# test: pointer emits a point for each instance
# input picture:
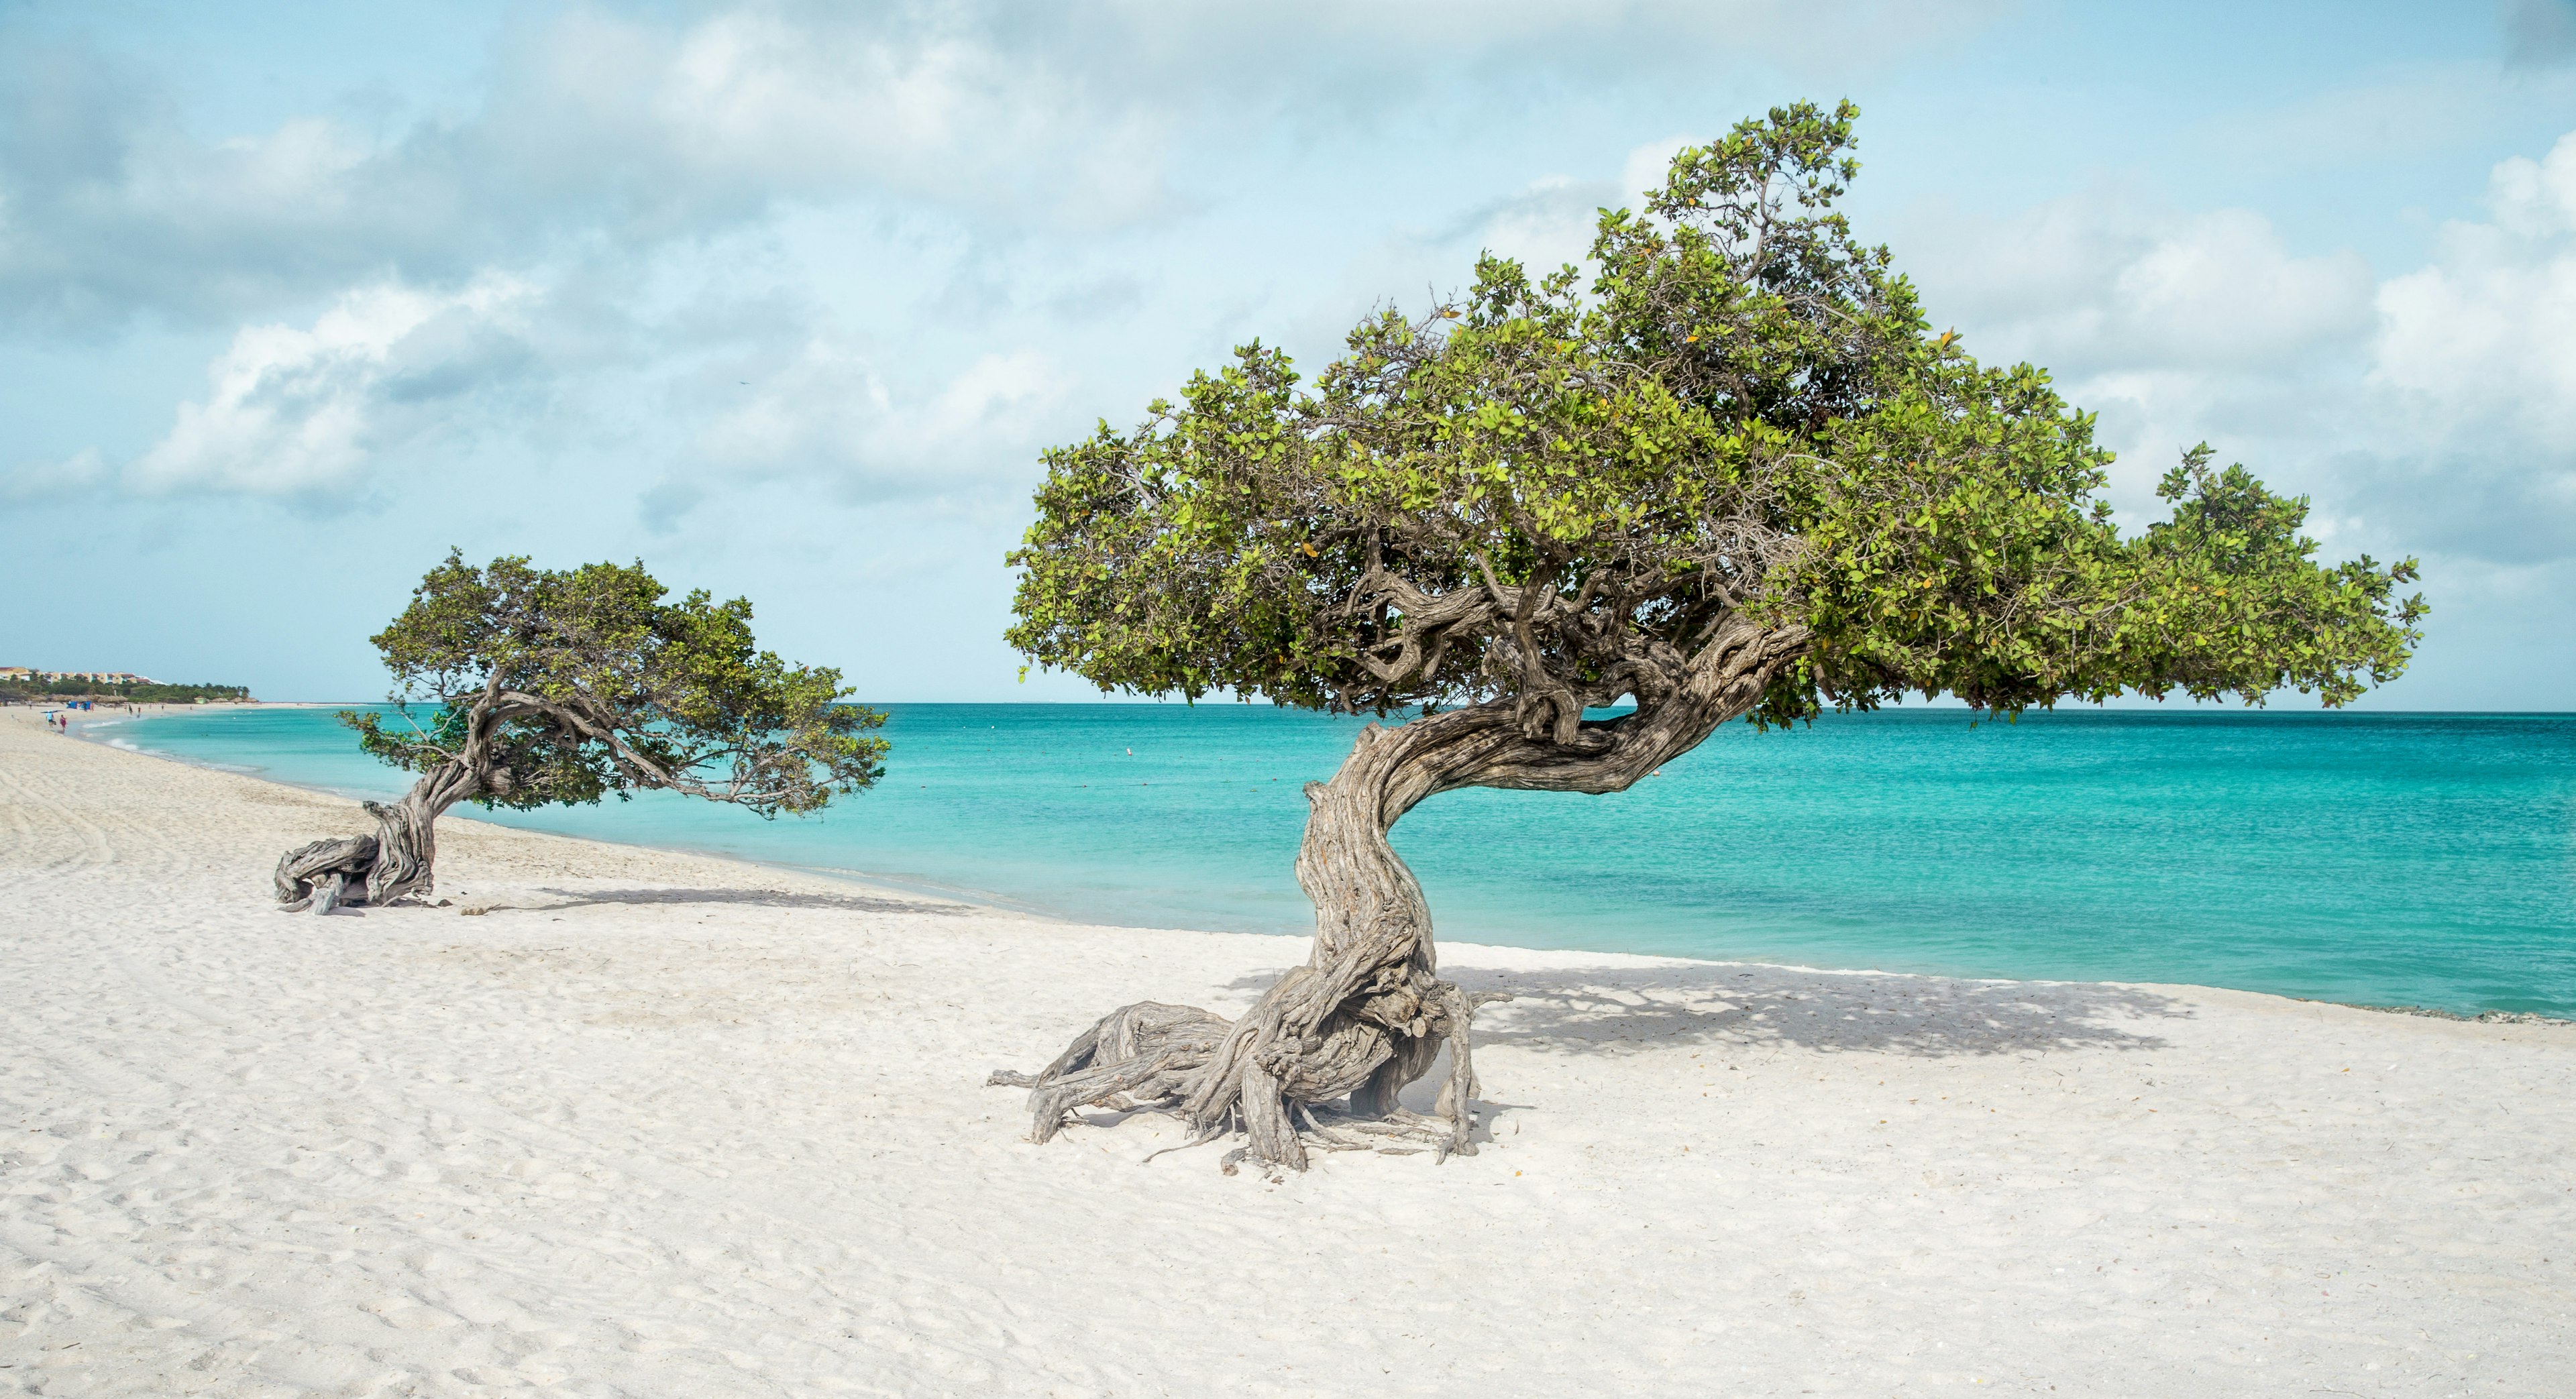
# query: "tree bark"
(397, 861)
(1368, 1014)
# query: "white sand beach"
(665, 1125)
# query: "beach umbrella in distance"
(526, 687)
(1729, 473)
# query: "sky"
(787, 300)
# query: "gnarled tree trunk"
(378, 869)
(1368, 1013)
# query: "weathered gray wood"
(398, 861)
(305, 870)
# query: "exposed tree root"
(1221, 1076)
(396, 862)
(316, 876)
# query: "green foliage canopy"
(563, 686)
(1556, 491)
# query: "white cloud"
(669, 127)
(714, 371)
(2486, 335)
(642, 127)
(2430, 412)
(74, 474)
(2094, 283)
(999, 394)
(2223, 291)
(1647, 166)
(2475, 371)
(831, 415)
(2537, 198)
(1543, 228)
(603, 130)
(2173, 326)
(299, 410)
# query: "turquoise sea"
(2418, 859)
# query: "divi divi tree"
(1729, 473)
(526, 687)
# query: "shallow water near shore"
(2417, 859)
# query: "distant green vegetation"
(23, 691)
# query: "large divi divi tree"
(1729, 474)
(526, 687)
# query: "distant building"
(102, 677)
(16, 672)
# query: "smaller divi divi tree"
(1733, 476)
(526, 687)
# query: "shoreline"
(662, 1124)
(998, 903)
(979, 898)
(2484, 1017)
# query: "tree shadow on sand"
(753, 898)
(1752, 1008)
(1614, 1010)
